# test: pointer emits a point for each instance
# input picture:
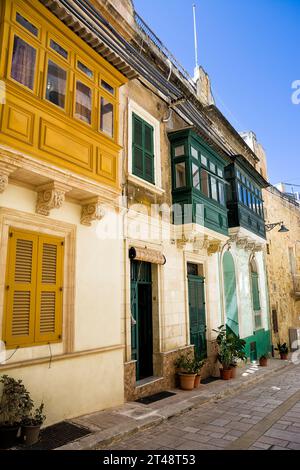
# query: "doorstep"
(113, 424)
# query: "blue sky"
(251, 51)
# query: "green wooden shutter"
(197, 315)
(142, 149)
(255, 292)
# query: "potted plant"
(186, 367)
(238, 351)
(197, 367)
(15, 403)
(225, 356)
(263, 360)
(31, 426)
(283, 350)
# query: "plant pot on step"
(283, 356)
(233, 372)
(187, 381)
(225, 374)
(8, 436)
(197, 381)
(263, 361)
(30, 434)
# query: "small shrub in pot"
(15, 403)
(31, 426)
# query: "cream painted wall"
(73, 387)
(89, 379)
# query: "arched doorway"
(232, 319)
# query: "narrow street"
(266, 416)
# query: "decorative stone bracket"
(50, 196)
(200, 242)
(5, 170)
(246, 243)
(92, 209)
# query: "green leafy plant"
(197, 365)
(35, 418)
(189, 364)
(282, 348)
(224, 342)
(15, 401)
(231, 348)
(265, 356)
(237, 348)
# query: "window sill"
(139, 182)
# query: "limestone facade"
(283, 264)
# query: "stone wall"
(281, 246)
(167, 379)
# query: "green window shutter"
(142, 149)
(255, 292)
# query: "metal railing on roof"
(163, 49)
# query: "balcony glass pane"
(214, 190)
(56, 84)
(83, 105)
(196, 176)
(180, 176)
(107, 117)
(23, 63)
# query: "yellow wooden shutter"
(48, 324)
(20, 288)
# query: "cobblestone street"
(266, 416)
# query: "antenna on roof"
(195, 36)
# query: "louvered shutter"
(148, 153)
(255, 292)
(137, 146)
(49, 290)
(20, 288)
(142, 149)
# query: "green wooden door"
(232, 318)
(197, 315)
(141, 318)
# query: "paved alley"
(265, 416)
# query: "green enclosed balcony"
(198, 184)
(244, 196)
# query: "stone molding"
(92, 210)
(246, 243)
(5, 170)
(200, 242)
(50, 196)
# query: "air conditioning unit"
(294, 334)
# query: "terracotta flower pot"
(263, 362)
(197, 381)
(283, 356)
(233, 372)
(225, 374)
(8, 436)
(30, 434)
(187, 381)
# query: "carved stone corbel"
(242, 242)
(258, 247)
(250, 246)
(50, 196)
(5, 170)
(92, 209)
(214, 247)
(201, 242)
